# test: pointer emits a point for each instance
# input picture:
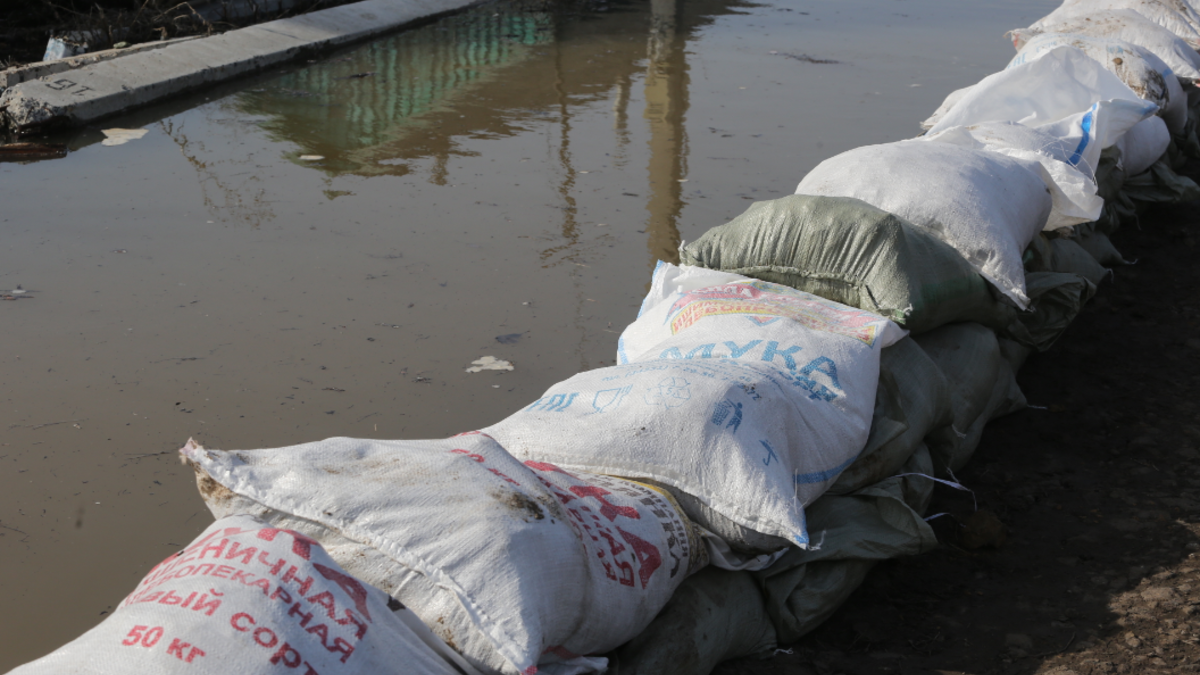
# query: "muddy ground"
(1099, 492)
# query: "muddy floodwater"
(323, 250)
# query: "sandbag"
(1160, 184)
(982, 384)
(714, 616)
(247, 598)
(986, 205)
(519, 567)
(1099, 246)
(1142, 146)
(751, 396)
(1177, 17)
(912, 401)
(1121, 24)
(1073, 192)
(1139, 68)
(876, 523)
(1058, 297)
(1068, 256)
(1064, 93)
(850, 252)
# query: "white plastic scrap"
(121, 136)
(489, 363)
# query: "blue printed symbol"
(770, 453)
(555, 403)
(671, 392)
(610, 398)
(721, 412)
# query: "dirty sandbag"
(1063, 84)
(987, 206)
(1177, 17)
(748, 395)
(1099, 246)
(1110, 173)
(1139, 68)
(1161, 185)
(1069, 257)
(1057, 297)
(982, 383)
(1142, 146)
(1126, 25)
(912, 401)
(1072, 188)
(240, 579)
(850, 252)
(714, 616)
(517, 576)
(877, 523)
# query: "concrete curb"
(107, 88)
(14, 76)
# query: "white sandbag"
(1140, 69)
(520, 567)
(986, 205)
(1176, 16)
(750, 396)
(1064, 88)
(1073, 193)
(247, 598)
(1121, 24)
(1143, 145)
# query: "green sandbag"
(983, 386)
(850, 252)
(913, 400)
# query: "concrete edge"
(102, 89)
(31, 71)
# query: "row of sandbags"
(900, 228)
(769, 432)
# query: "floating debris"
(121, 136)
(25, 152)
(489, 363)
(312, 158)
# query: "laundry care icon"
(671, 392)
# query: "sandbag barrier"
(769, 433)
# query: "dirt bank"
(1100, 494)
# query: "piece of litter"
(495, 386)
(312, 158)
(681, 180)
(489, 363)
(121, 136)
(509, 339)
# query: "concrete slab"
(16, 75)
(103, 89)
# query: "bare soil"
(1098, 491)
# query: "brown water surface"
(515, 170)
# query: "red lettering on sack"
(169, 598)
(246, 619)
(263, 630)
(282, 594)
(607, 509)
(264, 585)
(217, 549)
(340, 645)
(290, 575)
(324, 599)
(275, 568)
(649, 558)
(211, 606)
(287, 655)
(360, 628)
(321, 631)
(223, 572)
(242, 576)
(304, 617)
(301, 545)
(178, 647)
(246, 553)
(352, 587)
